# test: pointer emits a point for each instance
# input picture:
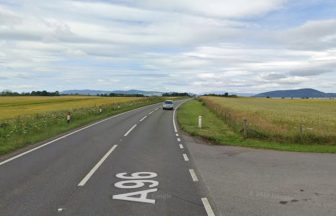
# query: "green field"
(27, 120)
(220, 131)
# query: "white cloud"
(175, 45)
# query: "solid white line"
(143, 118)
(185, 157)
(130, 130)
(69, 134)
(178, 139)
(207, 207)
(94, 169)
(193, 175)
(181, 146)
(174, 123)
(174, 114)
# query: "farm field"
(216, 130)
(22, 105)
(310, 121)
(27, 120)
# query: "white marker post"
(199, 121)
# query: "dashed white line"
(177, 134)
(130, 130)
(207, 207)
(185, 157)
(150, 112)
(94, 169)
(181, 146)
(193, 175)
(143, 118)
(178, 139)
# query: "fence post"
(245, 128)
(199, 121)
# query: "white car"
(168, 105)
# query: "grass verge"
(217, 131)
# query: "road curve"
(131, 164)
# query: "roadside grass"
(24, 130)
(218, 132)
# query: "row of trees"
(33, 93)
(176, 94)
(120, 95)
(221, 95)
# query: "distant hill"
(298, 93)
(126, 92)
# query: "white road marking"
(185, 157)
(59, 209)
(143, 118)
(193, 175)
(174, 123)
(181, 146)
(178, 139)
(130, 130)
(207, 207)
(177, 134)
(136, 180)
(150, 112)
(69, 134)
(94, 169)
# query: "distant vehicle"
(168, 105)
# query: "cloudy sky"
(181, 45)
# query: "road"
(259, 182)
(131, 164)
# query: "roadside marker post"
(199, 121)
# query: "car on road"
(168, 105)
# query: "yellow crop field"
(11, 107)
(287, 120)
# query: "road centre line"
(150, 112)
(181, 146)
(66, 135)
(130, 130)
(178, 139)
(207, 207)
(94, 169)
(193, 175)
(177, 134)
(143, 118)
(185, 157)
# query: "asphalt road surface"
(131, 164)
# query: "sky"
(168, 45)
